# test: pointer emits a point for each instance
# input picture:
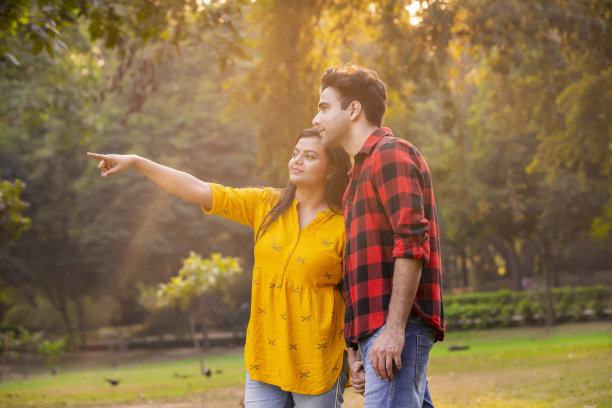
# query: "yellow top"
(295, 334)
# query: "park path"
(226, 398)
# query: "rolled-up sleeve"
(400, 184)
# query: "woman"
(294, 352)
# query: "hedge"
(506, 308)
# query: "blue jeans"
(409, 387)
(258, 394)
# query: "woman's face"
(309, 165)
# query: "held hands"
(357, 372)
(112, 163)
(386, 351)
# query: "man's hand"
(357, 373)
(387, 350)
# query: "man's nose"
(315, 120)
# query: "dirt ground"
(228, 398)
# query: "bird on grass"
(177, 375)
(112, 382)
(458, 347)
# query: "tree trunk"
(549, 272)
(196, 342)
(513, 264)
(60, 304)
(193, 332)
(80, 307)
(464, 270)
(205, 338)
(528, 260)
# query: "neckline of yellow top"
(321, 215)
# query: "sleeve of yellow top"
(236, 204)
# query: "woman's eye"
(310, 156)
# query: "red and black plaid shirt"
(389, 213)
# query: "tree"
(12, 222)
(131, 28)
(191, 289)
(508, 101)
(53, 351)
(53, 107)
(12, 225)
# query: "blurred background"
(509, 101)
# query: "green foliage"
(53, 350)
(197, 278)
(12, 222)
(505, 308)
(42, 22)
(19, 345)
(13, 343)
(508, 101)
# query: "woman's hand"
(113, 163)
(357, 373)
(175, 182)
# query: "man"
(392, 274)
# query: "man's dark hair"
(355, 83)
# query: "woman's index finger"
(96, 156)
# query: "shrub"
(497, 309)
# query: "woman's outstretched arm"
(176, 182)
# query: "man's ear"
(354, 109)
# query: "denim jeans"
(258, 394)
(409, 387)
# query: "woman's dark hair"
(333, 193)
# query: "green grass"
(140, 383)
(571, 366)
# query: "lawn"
(570, 366)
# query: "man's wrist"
(396, 328)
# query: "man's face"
(332, 121)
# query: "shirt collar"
(369, 144)
(371, 141)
